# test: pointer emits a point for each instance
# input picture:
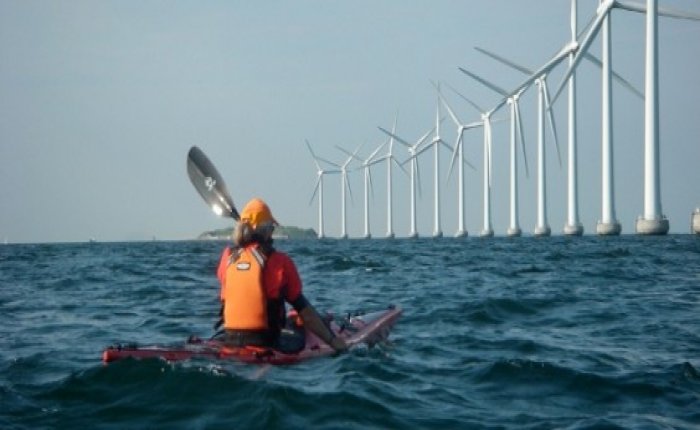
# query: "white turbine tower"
(458, 151)
(366, 165)
(487, 230)
(435, 143)
(343, 184)
(389, 157)
(320, 172)
(516, 130)
(543, 103)
(573, 226)
(653, 221)
(389, 194)
(413, 151)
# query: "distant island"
(281, 232)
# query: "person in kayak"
(256, 281)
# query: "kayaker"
(256, 281)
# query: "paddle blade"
(209, 184)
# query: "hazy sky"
(101, 100)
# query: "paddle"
(209, 184)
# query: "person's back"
(256, 281)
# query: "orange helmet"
(256, 213)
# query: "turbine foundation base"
(542, 231)
(573, 229)
(695, 223)
(487, 232)
(612, 228)
(461, 233)
(514, 232)
(437, 234)
(652, 226)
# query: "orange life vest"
(245, 304)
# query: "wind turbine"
(345, 183)
(366, 164)
(435, 143)
(458, 151)
(389, 157)
(516, 129)
(415, 174)
(653, 221)
(319, 186)
(487, 230)
(573, 226)
(540, 78)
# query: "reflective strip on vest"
(245, 304)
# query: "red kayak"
(368, 328)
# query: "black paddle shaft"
(209, 184)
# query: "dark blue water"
(527, 333)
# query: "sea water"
(534, 333)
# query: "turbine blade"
(371, 156)
(550, 114)
(582, 47)
(318, 182)
(343, 150)
(347, 183)
(425, 136)
(393, 136)
(454, 153)
(328, 162)
(662, 10)
(425, 148)
(400, 165)
(505, 61)
(679, 14)
(348, 153)
(484, 82)
(476, 124)
(474, 105)
(369, 179)
(470, 165)
(378, 160)
(445, 144)
(625, 83)
(519, 125)
(308, 145)
(450, 111)
(549, 65)
(354, 155)
(393, 131)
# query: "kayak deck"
(368, 328)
